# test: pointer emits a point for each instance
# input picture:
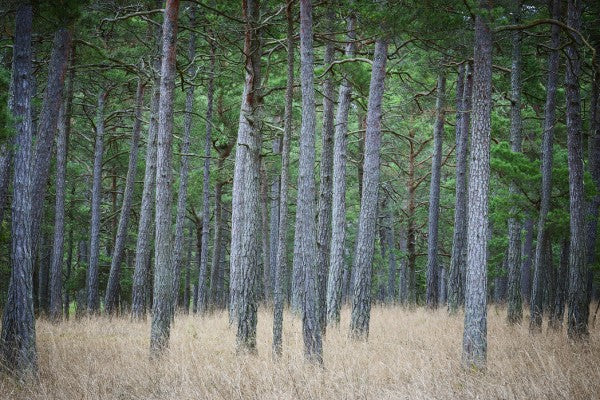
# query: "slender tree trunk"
(338, 212)
(558, 307)
(475, 327)
(183, 171)
(93, 302)
(281, 261)
(112, 286)
(403, 278)
(361, 301)
(43, 275)
(434, 195)
(188, 272)
(274, 219)
(163, 278)
(411, 232)
(392, 266)
(515, 226)
(578, 268)
(17, 341)
(526, 260)
(64, 127)
(464, 86)
(249, 137)
(264, 228)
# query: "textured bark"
(305, 239)
(274, 219)
(188, 273)
(17, 341)
(112, 287)
(361, 301)
(281, 260)
(403, 278)
(526, 260)
(183, 170)
(392, 266)
(456, 294)
(515, 226)
(578, 268)
(338, 212)
(48, 119)
(250, 138)
(326, 171)
(64, 127)
(163, 273)
(442, 286)
(475, 327)
(434, 196)
(411, 234)
(558, 307)
(264, 229)
(93, 302)
(6, 167)
(203, 294)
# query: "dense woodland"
(158, 160)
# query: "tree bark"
(163, 278)
(361, 301)
(264, 229)
(434, 196)
(558, 307)
(274, 219)
(475, 326)
(526, 260)
(281, 260)
(112, 287)
(578, 268)
(17, 341)
(338, 212)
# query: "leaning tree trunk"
(475, 327)
(434, 196)
(183, 171)
(44, 143)
(578, 268)
(249, 137)
(515, 226)
(338, 212)
(112, 287)
(361, 301)
(163, 274)
(17, 341)
(64, 127)
(305, 239)
(535, 321)
(325, 187)
(281, 259)
(464, 87)
(93, 302)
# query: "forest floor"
(410, 355)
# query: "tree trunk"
(281, 260)
(183, 171)
(515, 226)
(264, 229)
(403, 278)
(64, 127)
(338, 212)
(475, 327)
(578, 268)
(112, 286)
(526, 260)
(274, 219)
(163, 274)
(17, 341)
(391, 245)
(93, 302)
(249, 137)
(558, 308)
(361, 301)
(456, 280)
(434, 196)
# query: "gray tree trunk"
(17, 340)
(391, 245)
(305, 239)
(163, 274)
(183, 171)
(578, 268)
(558, 307)
(361, 301)
(93, 302)
(264, 229)
(403, 278)
(250, 138)
(526, 260)
(434, 195)
(475, 327)
(281, 260)
(515, 226)
(274, 218)
(64, 128)
(338, 212)
(464, 86)
(112, 287)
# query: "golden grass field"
(410, 355)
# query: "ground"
(410, 354)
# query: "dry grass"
(409, 355)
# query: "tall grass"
(409, 355)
